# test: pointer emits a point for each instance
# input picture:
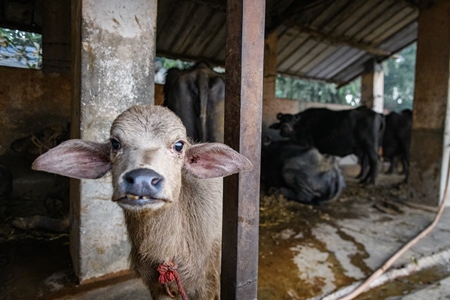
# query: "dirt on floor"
(296, 260)
(30, 257)
(28, 260)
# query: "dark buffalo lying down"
(301, 174)
(197, 96)
(339, 133)
(397, 139)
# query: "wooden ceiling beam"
(294, 9)
(316, 34)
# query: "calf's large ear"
(77, 159)
(209, 160)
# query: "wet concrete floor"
(305, 251)
(309, 251)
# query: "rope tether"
(168, 273)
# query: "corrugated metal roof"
(328, 40)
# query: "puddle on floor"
(405, 285)
(295, 260)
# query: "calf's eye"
(115, 144)
(178, 146)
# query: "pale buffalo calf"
(170, 191)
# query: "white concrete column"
(430, 130)
(372, 86)
(113, 66)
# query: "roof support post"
(270, 107)
(243, 109)
(430, 141)
(372, 86)
(113, 51)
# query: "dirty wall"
(31, 100)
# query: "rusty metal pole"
(243, 111)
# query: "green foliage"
(399, 72)
(25, 47)
(167, 63)
(316, 91)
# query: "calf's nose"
(143, 183)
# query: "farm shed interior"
(334, 41)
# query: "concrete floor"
(306, 252)
(310, 252)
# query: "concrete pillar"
(113, 63)
(430, 130)
(269, 83)
(372, 86)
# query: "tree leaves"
(399, 76)
(317, 91)
(24, 47)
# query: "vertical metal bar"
(243, 110)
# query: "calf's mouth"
(139, 200)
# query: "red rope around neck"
(168, 273)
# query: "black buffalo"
(197, 96)
(339, 133)
(381, 125)
(301, 174)
(397, 139)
